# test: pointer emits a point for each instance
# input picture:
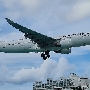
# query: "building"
(74, 82)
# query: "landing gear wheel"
(45, 55)
(42, 55)
(47, 52)
(44, 58)
(48, 56)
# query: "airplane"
(37, 42)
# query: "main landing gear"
(45, 55)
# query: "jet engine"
(64, 51)
(57, 43)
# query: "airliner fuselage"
(26, 45)
(37, 42)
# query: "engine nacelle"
(64, 51)
(57, 43)
(63, 43)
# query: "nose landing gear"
(45, 55)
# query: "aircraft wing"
(42, 40)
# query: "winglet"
(17, 26)
(6, 18)
(9, 21)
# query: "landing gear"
(45, 55)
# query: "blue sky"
(52, 18)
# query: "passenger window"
(8, 44)
(82, 33)
(20, 39)
(74, 34)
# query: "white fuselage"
(26, 45)
(76, 40)
(20, 46)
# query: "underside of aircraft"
(46, 44)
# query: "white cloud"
(12, 14)
(46, 14)
(80, 10)
(37, 9)
(5, 74)
(11, 36)
(49, 68)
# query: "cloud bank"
(49, 68)
(80, 10)
(38, 9)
